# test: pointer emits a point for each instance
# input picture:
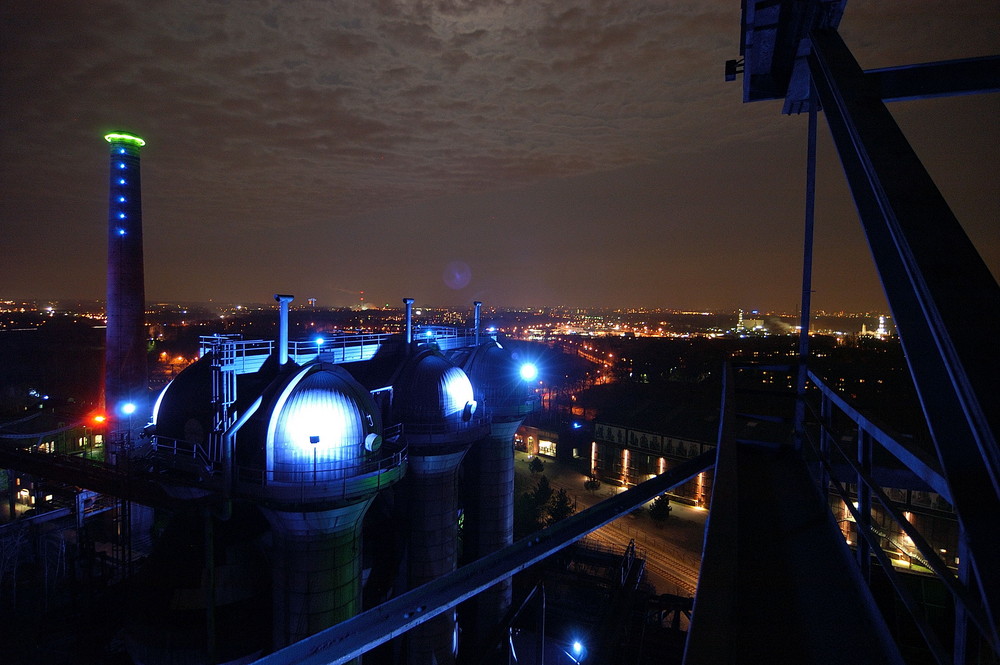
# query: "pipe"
(479, 307)
(283, 301)
(409, 321)
(228, 442)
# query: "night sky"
(519, 152)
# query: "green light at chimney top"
(118, 137)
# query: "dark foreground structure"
(315, 434)
(794, 591)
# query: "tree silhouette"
(542, 492)
(536, 465)
(559, 507)
(660, 510)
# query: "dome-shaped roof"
(430, 389)
(496, 376)
(321, 426)
(183, 410)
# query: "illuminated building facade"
(627, 456)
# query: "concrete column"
(432, 538)
(316, 567)
(489, 523)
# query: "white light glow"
(455, 391)
(317, 430)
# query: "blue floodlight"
(319, 341)
(576, 425)
(128, 408)
(529, 372)
(577, 648)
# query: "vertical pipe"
(409, 321)
(283, 301)
(807, 256)
(479, 307)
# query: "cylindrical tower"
(307, 452)
(433, 401)
(323, 464)
(125, 376)
(500, 380)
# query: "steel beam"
(945, 302)
(807, 262)
(970, 76)
(351, 638)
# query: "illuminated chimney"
(125, 373)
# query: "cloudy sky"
(519, 152)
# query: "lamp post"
(314, 440)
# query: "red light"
(99, 419)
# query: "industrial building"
(274, 451)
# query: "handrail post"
(864, 503)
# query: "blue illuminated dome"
(430, 389)
(320, 426)
(183, 410)
(498, 376)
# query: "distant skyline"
(565, 152)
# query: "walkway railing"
(832, 459)
(245, 356)
(303, 485)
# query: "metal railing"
(179, 448)
(245, 356)
(833, 458)
(342, 482)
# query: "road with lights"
(672, 550)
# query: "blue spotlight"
(128, 408)
(529, 372)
